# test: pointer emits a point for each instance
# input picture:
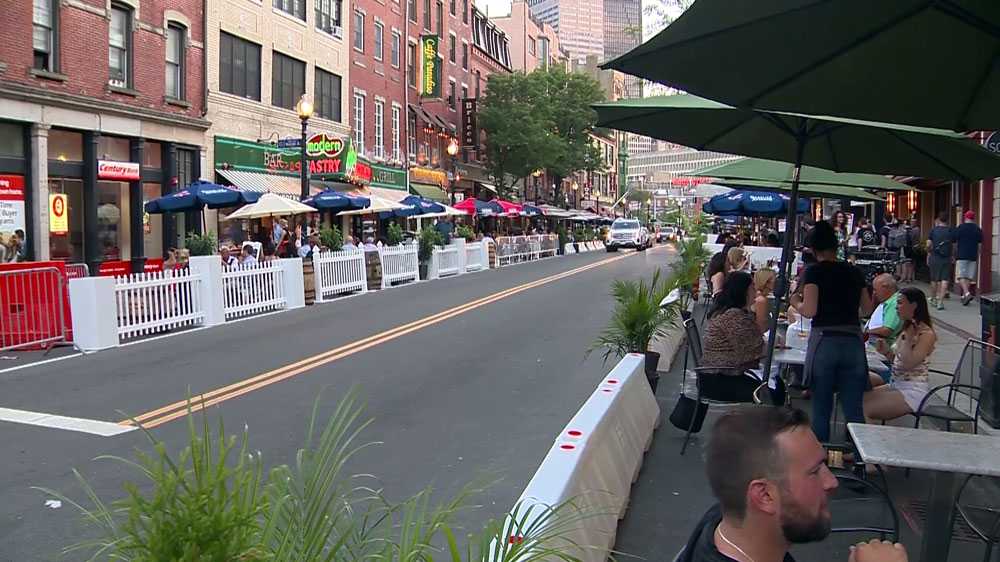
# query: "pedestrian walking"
(968, 236)
(939, 259)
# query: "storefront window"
(65, 146)
(152, 155)
(152, 225)
(113, 148)
(112, 207)
(11, 140)
(68, 246)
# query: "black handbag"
(686, 409)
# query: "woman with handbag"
(832, 293)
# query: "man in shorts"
(968, 236)
(939, 257)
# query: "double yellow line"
(179, 409)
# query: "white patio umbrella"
(378, 205)
(271, 205)
(448, 211)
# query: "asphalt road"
(483, 390)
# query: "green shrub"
(394, 234)
(201, 244)
(465, 231)
(331, 238)
(429, 237)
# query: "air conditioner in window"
(337, 31)
(116, 83)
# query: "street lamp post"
(305, 110)
(452, 150)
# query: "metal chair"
(983, 520)
(855, 491)
(941, 401)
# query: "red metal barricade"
(34, 305)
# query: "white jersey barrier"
(596, 458)
(476, 257)
(339, 273)
(446, 262)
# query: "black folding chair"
(978, 510)
(959, 400)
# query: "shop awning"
(421, 114)
(441, 122)
(289, 186)
(430, 191)
(488, 186)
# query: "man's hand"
(877, 551)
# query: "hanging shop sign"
(428, 175)
(117, 171)
(330, 158)
(470, 131)
(387, 177)
(58, 213)
(430, 85)
(11, 206)
(993, 142)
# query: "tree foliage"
(539, 121)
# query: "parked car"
(627, 233)
(667, 233)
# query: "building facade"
(101, 109)
(533, 43)
(263, 57)
(579, 23)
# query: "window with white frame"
(328, 16)
(452, 48)
(379, 32)
(176, 36)
(359, 31)
(43, 34)
(397, 39)
(120, 45)
(359, 122)
(395, 132)
(295, 8)
(379, 132)
(411, 135)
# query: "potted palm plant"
(638, 317)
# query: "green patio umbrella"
(805, 189)
(774, 171)
(921, 62)
(826, 142)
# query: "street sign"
(289, 143)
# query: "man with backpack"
(939, 242)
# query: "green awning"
(430, 191)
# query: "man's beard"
(798, 527)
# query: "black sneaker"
(966, 299)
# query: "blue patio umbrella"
(494, 207)
(330, 200)
(423, 205)
(752, 204)
(531, 211)
(198, 195)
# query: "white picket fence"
(448, 262)
(149, 303)
(253, 289)
(475, 257)
(516, 249)
(399, 264)
(339, 273)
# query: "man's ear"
(763, 496)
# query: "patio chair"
(874, 511)
(958, 401)
(981, 517)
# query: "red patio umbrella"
(509, 209)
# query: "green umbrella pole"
(784, 275)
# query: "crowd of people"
(756, 454)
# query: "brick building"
(533, 43)
(101, 109)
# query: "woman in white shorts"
(909, 355)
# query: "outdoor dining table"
(945, 454)
(797, 356)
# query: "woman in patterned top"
(734, 343)
(909, 355)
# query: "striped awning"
(288, 186)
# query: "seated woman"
(733, 342)
(717, 268)
(763, 282)
(909, 356)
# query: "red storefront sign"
(117, 268)
(117, 171)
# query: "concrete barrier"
(594, 461)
